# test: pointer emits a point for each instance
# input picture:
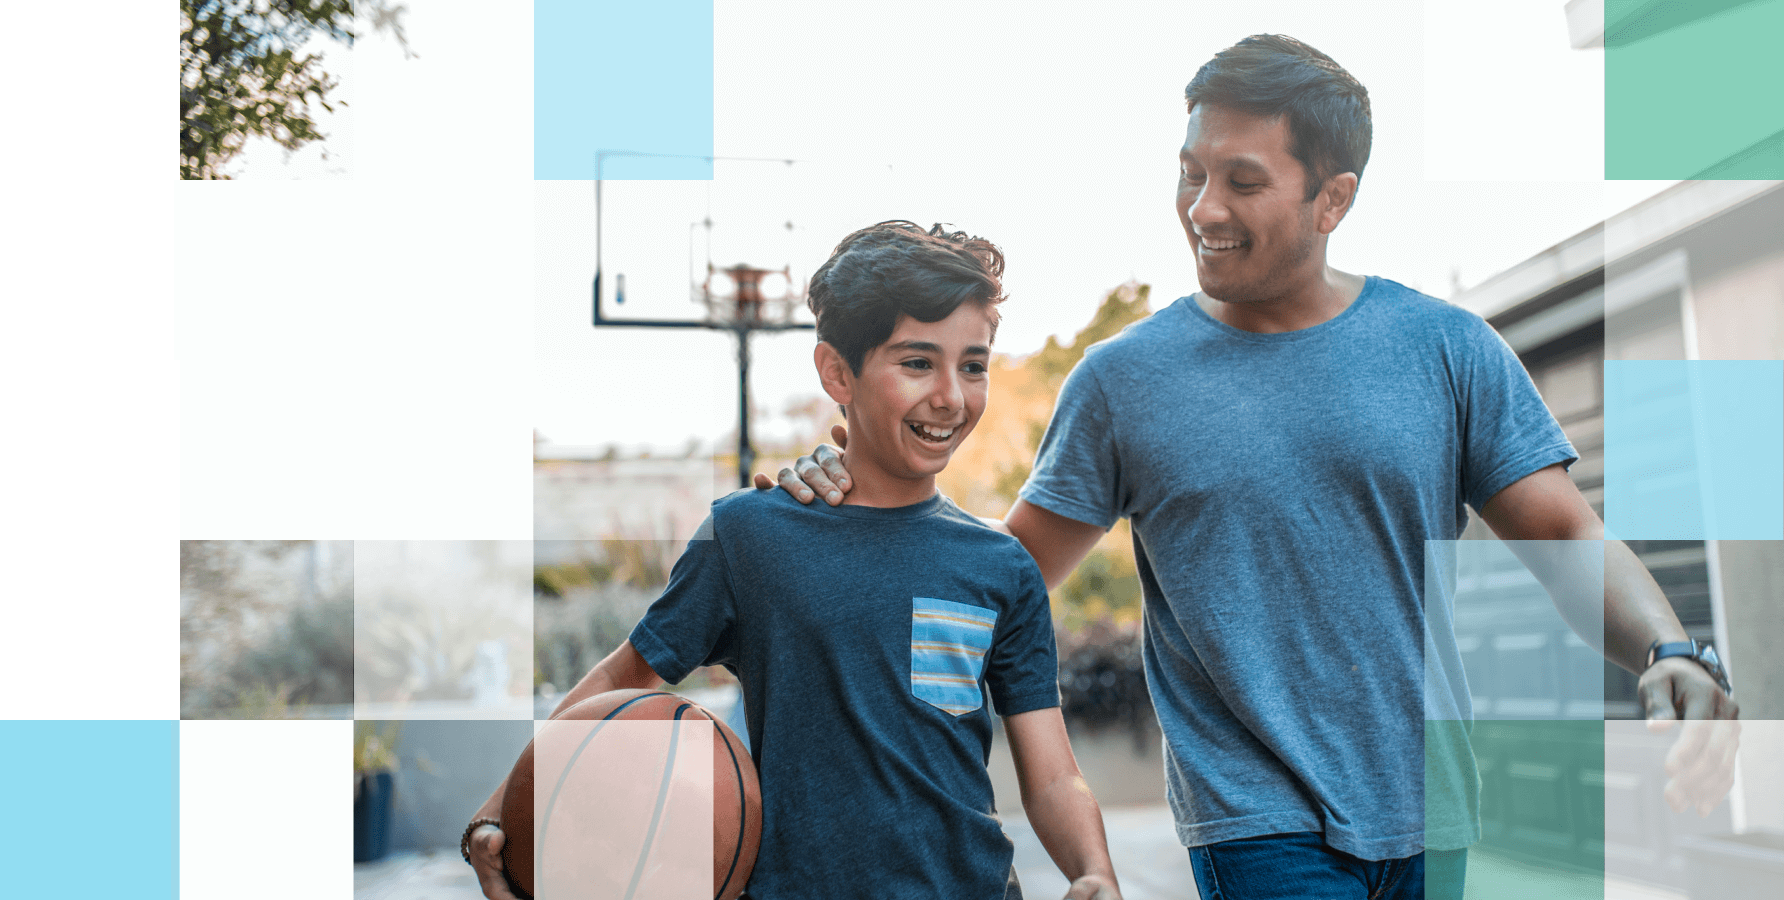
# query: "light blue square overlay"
(613, 75)
(1694, 449)
(96, 808)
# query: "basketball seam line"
(543, 824)
(656, 815)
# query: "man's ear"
(1334, 200)
(834, 372)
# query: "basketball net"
(742, 297)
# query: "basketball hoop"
(745, 297)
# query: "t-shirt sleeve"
(1508, 432)
(693, 623)
(1022, 673)
(1076, 472)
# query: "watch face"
(1710, 658)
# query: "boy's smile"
(918, 396)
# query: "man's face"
(1239, 197)
(920, 393)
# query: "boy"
(865, 681)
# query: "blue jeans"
(1300, 866)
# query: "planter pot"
(371, 816)
(1735, 866)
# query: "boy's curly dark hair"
(896, 268)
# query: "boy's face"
(1240, 199)
(918, 396)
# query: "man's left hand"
(1700, 765)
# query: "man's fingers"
(813, 476)
(840, 434)
(1656, 693)
(763, 482)
(1701, 765)
(790, 482)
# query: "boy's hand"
(1092, 887)
(823, 472)
(486, 860)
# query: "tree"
(241, 75)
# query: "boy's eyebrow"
(927, 347)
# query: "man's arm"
(1554, 532)
(1059, 804)
(1058, 544)
(623, 668)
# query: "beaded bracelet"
(464, 843)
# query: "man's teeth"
(927, 434)
(1212, 244)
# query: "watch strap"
(1701, 653)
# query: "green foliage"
(374, 746)
(1104, 588)
(241, 73)
(307, 660)
(1122, 307)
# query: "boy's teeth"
(931, 435)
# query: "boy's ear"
(834, 372)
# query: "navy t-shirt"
(1282, 490)
(867, 641)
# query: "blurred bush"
(584, 608)
(1102, 682)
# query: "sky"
(1053, 134)
(942, 115)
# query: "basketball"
(633, 792)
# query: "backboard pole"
(742, 327)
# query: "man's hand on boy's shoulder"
(821, 473)
(1092, 887)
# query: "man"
(1285, 442)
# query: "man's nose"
(1208, 208)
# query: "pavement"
(1148, 860)
(1143, 843)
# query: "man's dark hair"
(896, 268)
(1275, 75)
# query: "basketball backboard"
(667, 250)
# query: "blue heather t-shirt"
(1281, 489)
(865, 672)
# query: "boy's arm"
(623, 668)
(1059, 804)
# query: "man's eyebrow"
(1247, 163)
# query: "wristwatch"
(1699, 652)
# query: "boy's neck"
(874, 488)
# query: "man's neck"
(1317, 303)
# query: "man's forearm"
(1636, 611)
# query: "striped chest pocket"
(948, 644)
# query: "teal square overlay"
(1694, 449)
(1691, 89)
(611, 75)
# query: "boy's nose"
(948, 394)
